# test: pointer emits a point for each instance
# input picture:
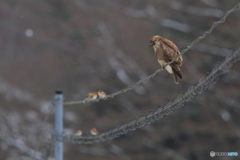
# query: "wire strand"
(170, 107)
(223, 19)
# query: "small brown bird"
(78, 133)
(94, 131)
(165, 51)
(101, 94)
(91, 96)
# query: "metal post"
(58, 149)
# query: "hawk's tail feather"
(177, 71)
(175, 77)
(176, 74)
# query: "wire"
(170, 107)
(223, 19)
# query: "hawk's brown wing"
(170, 44)
(170, 51)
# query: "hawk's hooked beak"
(151, 43)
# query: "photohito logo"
(212, 153)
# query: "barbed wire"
(223, 19)
(170, 107)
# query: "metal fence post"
(58, 148)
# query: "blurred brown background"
(85, 46)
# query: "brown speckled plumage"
(165, 51)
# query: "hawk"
(165, 51)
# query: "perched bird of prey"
(101, 94)
(165, 51)
(78, 133)
(94, 131)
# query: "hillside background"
(85, 46)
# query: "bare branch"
(175, 25)
(22, 148)
(209, 12)
(212, 3)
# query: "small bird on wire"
(91, 96)
(78, 133)
(94, 131)
(165, 51)
(101, 94)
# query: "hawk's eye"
(152, 43)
